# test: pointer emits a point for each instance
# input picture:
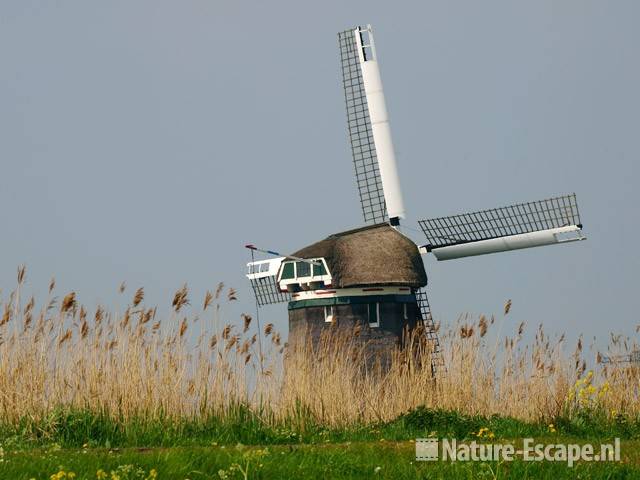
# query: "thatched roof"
(377, 255)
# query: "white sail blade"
(511, 242)
(525, 225)
(380, 122)
(363, 149)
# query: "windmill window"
(373, 313)
(258, 267)
(329, 313)
(319, 270)
(303, 269)
(288, 271)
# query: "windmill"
(374, 276)
(632, 358)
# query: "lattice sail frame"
(263, 277)
(267, 291)
(363, 148)
(632, 358)
(437, 360)
(500, 222)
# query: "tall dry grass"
(134, 365)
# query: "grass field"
(382, 459)
(123, 395)
(84, 447)
(81, 445)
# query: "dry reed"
(115, 365)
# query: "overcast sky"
(148, 141)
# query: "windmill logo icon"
(426, 449)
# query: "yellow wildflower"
(484, 432)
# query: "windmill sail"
(263, 276)
(369, 132)
(524, 225)
(437, 360)
(633, 358)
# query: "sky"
(149, 141)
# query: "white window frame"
(405, 312)
(298, 280)
(377, 322)
(329, 313)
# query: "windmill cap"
(376, 255)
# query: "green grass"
(390, 460)
(83, 442)
(73, 429)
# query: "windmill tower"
(374, 276)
